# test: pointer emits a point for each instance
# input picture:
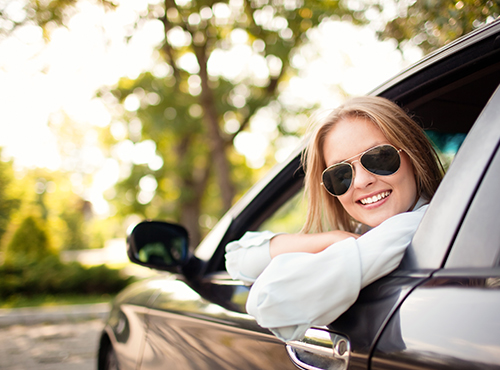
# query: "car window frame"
(477, 244)
(442, 221)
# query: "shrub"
(51, 276)
(31, 268)
(29, 243)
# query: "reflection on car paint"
(453, 321)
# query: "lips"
(375, 198)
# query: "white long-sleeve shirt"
(294, 291)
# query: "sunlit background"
(107, 115)
(46, 83)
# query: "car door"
(206, 327)
(451, 321)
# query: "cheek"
(347, 202)
(342, 201)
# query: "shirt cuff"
(248, 257)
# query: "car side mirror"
(159, 245)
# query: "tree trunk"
(193, 189)
(217, 142)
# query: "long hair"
(325, 212)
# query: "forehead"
(349, 137)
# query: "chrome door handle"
(320, 350)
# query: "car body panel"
(126, 326)
(363, 322)
(450, 322)
(181, 320)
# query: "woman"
(368, 166)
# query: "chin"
(376, 220)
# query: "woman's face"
(350, 137)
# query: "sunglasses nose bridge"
(361, 177)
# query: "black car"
(439, 310)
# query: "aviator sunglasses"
(382, 160)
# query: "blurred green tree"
(29, 243)
(189, 110)
(193, 105)
(45, 14)
(9, 202)
(48, 196)
(431, 24)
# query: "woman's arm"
(307, 243)
(248, 257)
(299, 290)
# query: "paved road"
(63, 346)
(56, 338)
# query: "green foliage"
(32, 267)
(8, 202)
(48, 197)
(47, 14)
(52, 277)
(431, 24)
(29, 243)
(39, 300)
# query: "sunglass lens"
(337, 179)
(383, 160)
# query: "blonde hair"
(325, 211)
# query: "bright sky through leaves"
(57, 82)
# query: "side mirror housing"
(159, 245)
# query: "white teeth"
(375, 198)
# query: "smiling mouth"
(375, 198)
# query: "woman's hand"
(308, 243)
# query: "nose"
(362, 178)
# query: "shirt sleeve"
(248, 257)
(299, 290)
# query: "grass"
(49, 300)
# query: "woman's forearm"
(308, 243)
